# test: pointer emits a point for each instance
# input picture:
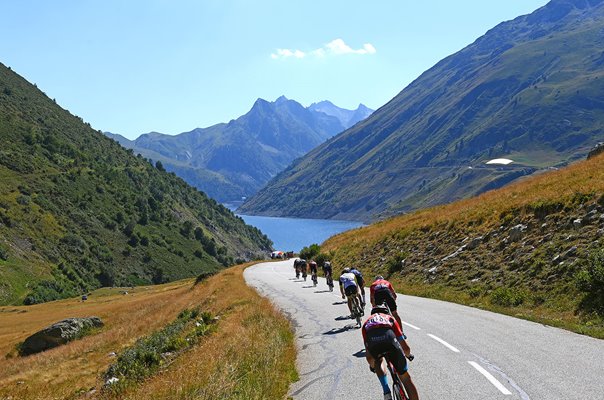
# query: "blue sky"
(131, 67)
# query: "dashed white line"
(411, 326)
(447, 345)
(491, 378)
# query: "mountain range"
(230, 161)
(529, 90)
(78, 211)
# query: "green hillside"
(78, 211)
(529, 90)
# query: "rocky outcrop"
(58, 334)
(597, 149)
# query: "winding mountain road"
(461, 353)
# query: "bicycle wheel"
(398, 390)
(357, 310)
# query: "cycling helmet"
(380, 308)
(346, 270)
(327, 264)
(379, 278)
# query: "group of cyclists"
(382, 331)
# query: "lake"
(290, 234)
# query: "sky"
(170, 66)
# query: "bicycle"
(398, 388)
(314, 279)
(329, 280)
(357, 311)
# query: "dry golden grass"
(223, 361)
(586, 177)
(251, 356)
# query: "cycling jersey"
(313, 266)
(348, 279)
(380, 321)
(381, 284)
(358, 275)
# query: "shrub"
(590, 280)
(186, 229)
(3, 253)
(310, 252)
(396, 263)
(475, 292)
(507, 297)
(129, 228)
(203, 276)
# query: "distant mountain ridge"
(232, 160)
(529, 90)
(347, 118)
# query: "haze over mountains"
(529, 90)
(233, 160)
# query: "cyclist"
(303, 268)
(348, 287)
(297, 267)
(380, 292)
(361, 283)
(327, 271)
(382, 335)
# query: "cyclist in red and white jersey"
(383, 335)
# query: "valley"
(477, 191)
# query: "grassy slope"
(77, 211)
(534, 276)
(222, 365)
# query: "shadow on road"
(335, 331)
(342, 317)
(360, 354)
(306, 287)
(337, 303)
(322, 291)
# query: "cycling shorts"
(313, 269)
(385, 296)
(382, 341)
(350, 290)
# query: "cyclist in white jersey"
(348, 286)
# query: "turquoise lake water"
(292, 234)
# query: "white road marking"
(411, 326)
(491, 378)
(447, 345)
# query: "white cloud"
(336, 47)
(287, 53)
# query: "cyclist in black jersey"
(361, 283)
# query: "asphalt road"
(461, 353)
